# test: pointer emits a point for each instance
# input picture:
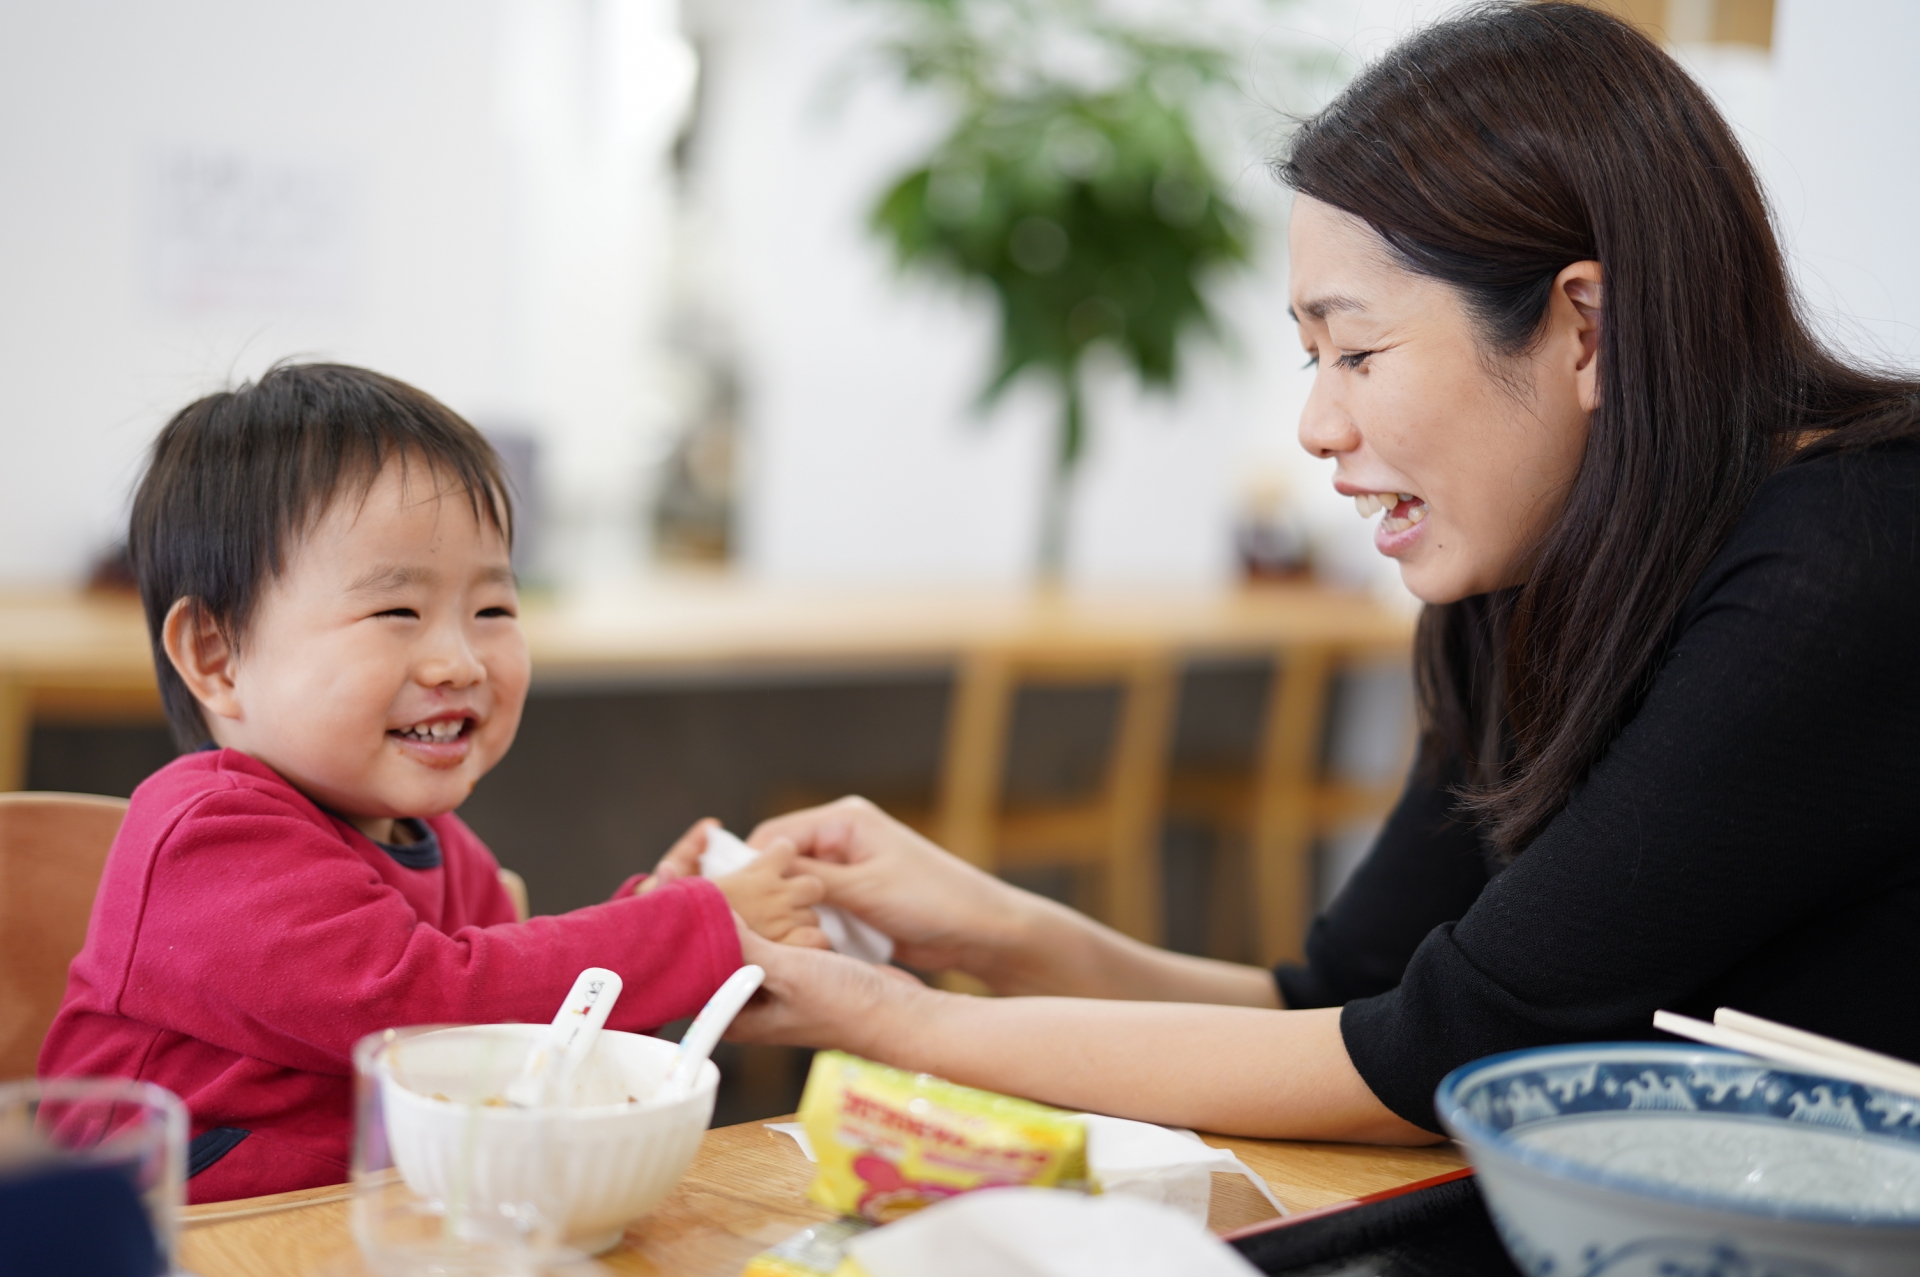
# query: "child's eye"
(1353, 359)
(498, 611)
(406, 613)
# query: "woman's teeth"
(1371, 503)
(1402, 522)
(440, 732)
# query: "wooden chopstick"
(1740, 1021)
(1885, 1072)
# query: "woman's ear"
(1578, 313)
(202, 656)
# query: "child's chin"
(436, 792)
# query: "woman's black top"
(1751, 839)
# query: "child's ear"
(202, 656)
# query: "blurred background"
(865, 320)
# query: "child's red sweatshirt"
(243, 940)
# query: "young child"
(323, 557)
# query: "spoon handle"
(704, 1033)
(568, 1039)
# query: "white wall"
(1827, 119)
(458, 192)
(489, 186)
(1845, 175)
(866, 459)
(868, 463)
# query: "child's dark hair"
(237, 476)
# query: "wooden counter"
(72, 658)
(745, 1191)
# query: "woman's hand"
(825, 1000)
(943, 914)
(946, 915)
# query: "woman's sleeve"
(1425, 868)
(1745, 841)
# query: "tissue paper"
(727, 854)
(1030, 1232)
(1162, 1164)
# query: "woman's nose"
(1326, 430)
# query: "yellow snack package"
(890, 1142)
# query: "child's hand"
(774, 900)
(768, 895)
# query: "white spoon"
(568, 1040)
(704, 1033)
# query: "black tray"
(1431, 1228)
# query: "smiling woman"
(1603, 464)
(1670, 550)
(1412, 405)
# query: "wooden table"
(74, 658)
(745, 1191)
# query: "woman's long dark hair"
(1491, 151)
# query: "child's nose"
(450, 661)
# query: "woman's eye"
(1313, 361)
(1353, 359)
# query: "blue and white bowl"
(1648, 1160)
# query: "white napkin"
(1151, 1163)
(1041, 1232)
(1162, 1164)
(727, 854)
(797, 1133)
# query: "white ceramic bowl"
(1636, 1159)
(595, 1165)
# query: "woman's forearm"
(1230, 1070)
(1051, 949)
(945, 914)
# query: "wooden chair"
(1277, 811)
(52, 848)
(1116, 832)
(516, 889)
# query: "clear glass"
(135, 1127)
(449, 1180)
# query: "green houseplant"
(1082, 199)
